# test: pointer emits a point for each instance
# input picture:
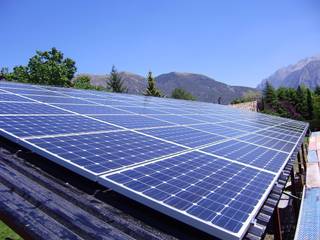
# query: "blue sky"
(236, 42)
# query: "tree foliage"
(317, 91)
(151, 88)
(82, 82)
(48, 68)
(300, 104)
(4, 74)
(309, 105)
(270, 96)
(180, 93)
(115, 82)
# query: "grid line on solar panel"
(8, 97)
(27, 108)
(57, 99)
(132, 121)
(31, 126)
(208, 189)
(258, 156)
(104, 152)
(268, 142)
(183, 135)
(21, 91)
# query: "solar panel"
(207, 165)
(103, 152)
(212, 192)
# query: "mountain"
(306, 72)
(135, 83)
(202, 87)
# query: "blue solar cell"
(218, 129)
(210, 189)
(91, 109)
(28, 108)
(106, 151)
(285, 131)
(111, 102)
(240, 127)
(182, 135)
(177, 119)
(12, 98)
(261, 157)
(141, 110)
(278, 135)
(269, 142)
(27, 126)
(33, 91)
(58, 99)
(132, 121)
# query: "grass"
(7, 233)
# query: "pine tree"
(151, 89)
(309, 104)
(317, 91)
(115, 83)
(270, 96)
(301, 103)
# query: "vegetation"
(151, 88)
(180, 93)
(300, 103)
(84, 82)
(47, 68)
(115, 83)
(7, 233)
(248, 97)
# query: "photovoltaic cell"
(106, 151)
(250, 154)
(269, 142)
(185, 136)
(28, 126)
(219, 129)
(58, 99)
(209, 189)
(132, 121)
(28, 108)
(12, 98)
(177, 119)
(31, 91)
(278, 135)
(91, 109)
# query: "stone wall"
(250, 106)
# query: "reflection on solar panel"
(207, 165)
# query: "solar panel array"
(208, 165)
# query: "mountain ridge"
(201, 86)
(305, 71)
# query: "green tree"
(4, 74)
(180, 93)
(301, 101)
(20, 73)
(51, 68)
(151, 88)
(115, 82)
(270, 96)
(317, 91)
(82, 82)
(309, 104)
